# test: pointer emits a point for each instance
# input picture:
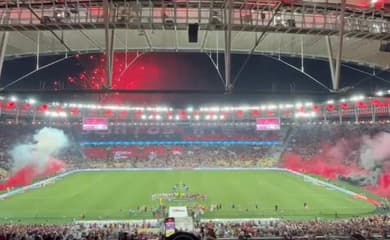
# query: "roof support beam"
(60, 39)
(109, 43)
(228, 46)
(257, 43)
(331, 59)
(38, 49)
(3, 47)
(340, 49)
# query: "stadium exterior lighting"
(143, 117)
(13, 98)
(190, 109)
(331, 101)
(343, 100)
(221, 117)
(177, 117)
(197, 117)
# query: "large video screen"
(267, 124)
(95, 124)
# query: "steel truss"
(247, 15)
(259, 16)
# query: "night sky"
(264, 76)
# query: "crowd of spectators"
(305, 140)
(368, 227)
(184, 156)
(309, 141)
(373, 227)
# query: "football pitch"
(125, 194)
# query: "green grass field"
(110, 195)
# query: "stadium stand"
(333, 151)
(374, 227)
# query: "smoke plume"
(35, 159)
(375, 150)
(46, 143)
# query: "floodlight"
(31, 101)
(380, 93)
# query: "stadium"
(195, 119)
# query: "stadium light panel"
(31, 101)
(356, 98)
(331, 101)
(380, 93)
(13, 98)
(298, 105)
(190, 109)
(308, 104)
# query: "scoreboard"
(267, 124)
(95, 124)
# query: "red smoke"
(28, 174)
(318, 165)
(330, 168)
(383, 186)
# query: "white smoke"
(46, 143)
(339, 151)
(375, 150)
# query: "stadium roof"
(298, 28)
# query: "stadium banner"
(52, 180)
(153, 222)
